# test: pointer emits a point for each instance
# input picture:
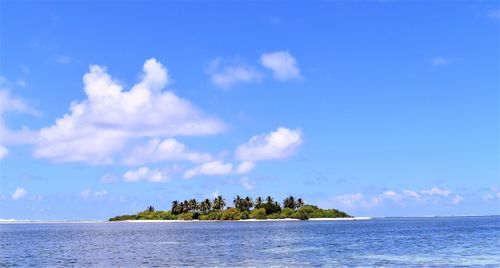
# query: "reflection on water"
(461, 241)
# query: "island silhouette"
(245, 208)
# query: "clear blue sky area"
(381, 108)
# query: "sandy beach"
(256, 220)
(11, 221)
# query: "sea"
(380, 242)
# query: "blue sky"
(375, 108)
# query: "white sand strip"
(255, 220)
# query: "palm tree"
(289, 202)
(247, 203)
(300, 203)
(269, 200)
(193, 205)
(176, 209)
(219, 203)
(150, 209)
(205, 205)
(258, 202)
(185, 206)
(238, 202)
(222, 202)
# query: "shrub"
(315, 212)
(123, 218)
(275, 216)
(245, 215)
(258, 213)
(167, 215)
(212, 216)
(287, 212)
(333, 213)
(300, 215)
(144, 215)
(231, 214)
(270, 208)
(308, 209)
(185, 216)
(196, 215)
(148, 215)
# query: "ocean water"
(409, 242)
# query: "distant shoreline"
(169, 221)
(255, 220)
(49, 221)
(13, 221)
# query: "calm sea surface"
(457, 241)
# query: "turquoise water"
(431, 242)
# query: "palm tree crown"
(219, 203)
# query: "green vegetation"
(244, 208)
(258, 213)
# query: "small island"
(244, 209)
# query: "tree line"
(241, 203)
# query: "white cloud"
(423, 195)
(436, 191)
(229, 75)
(282, 64)
(275, 145)
(215, 194)
(411, 194)
(494, 193)
(19, 193)
(399, 197)
(487, 197)
(100, 126)
(85, 193)
(359, 200)
(146, 174)
(247, 183)
(6, 84)
(245, 167)
(209, 169)
(436, 61)
(457, 199)
(167, 150)
(109, 178)
(352, 201)
(391, 195)
(3, 152)
(88, 193)
(101, 193)
(8, 104)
